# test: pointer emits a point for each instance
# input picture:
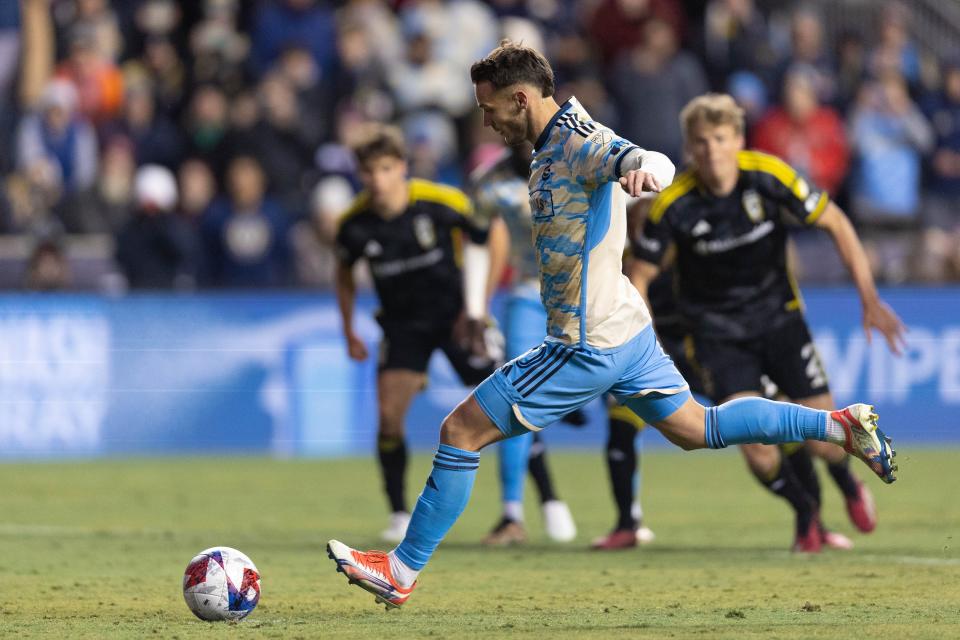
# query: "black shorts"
(786, 356)
(679, 346)
(404, 348)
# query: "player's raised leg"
(752, 420)
(392, 576)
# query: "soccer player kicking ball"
(599, 335)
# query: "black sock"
(393, 463)
(844, 479)
(803, 468)
(537, 466)
(622, 464)
(784, 483)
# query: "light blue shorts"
(536, 389)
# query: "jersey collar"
(546, 130)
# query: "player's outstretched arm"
(346, 295)
(645, 171)
(876, 313)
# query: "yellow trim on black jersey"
(360, 203)
(680, 187)
(442, 194)
(797, 303)
(757, 161)
(819, 209)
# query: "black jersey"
(732, 275)
(415, 257)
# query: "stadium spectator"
(245, 234)
(99, 19)
(889, 134)
(851, 67)
(47, 268)
(312, 240)
(895, 51)
(156, 249)
(105, 207)
(207, 127)
(735, 38)
(198, 188)
(940, 258)
(155, 138)
(97, 79)
(806, 134)
(162, 64)
(651, 85)
(618, 26)
(61, 137)
(219, 50)
(808, 47)
(280, 23)
(283, 140)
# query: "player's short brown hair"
(514, 63)
(714, 109)
(376, 140)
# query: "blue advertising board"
(267, 373)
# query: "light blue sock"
(514, 453)
(752, 420)
(441, 503)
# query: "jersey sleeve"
(595, 152)
(348, 244)
(458, 212)
(783, 184)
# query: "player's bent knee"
(468, 428)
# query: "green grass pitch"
(97, 550)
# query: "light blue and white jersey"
(579, 230)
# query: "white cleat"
(397, 529)
(558, 521)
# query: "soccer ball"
(221, 583)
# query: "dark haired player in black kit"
(411, 234)
(728, 218)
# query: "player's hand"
(356, 348)
(878, 315)
(636, 181)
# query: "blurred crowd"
(208, 141)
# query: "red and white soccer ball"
(221, 583)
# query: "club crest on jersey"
(753, 205)
(600, 137)
(372, 249)
(541, 204)
(424, 231)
